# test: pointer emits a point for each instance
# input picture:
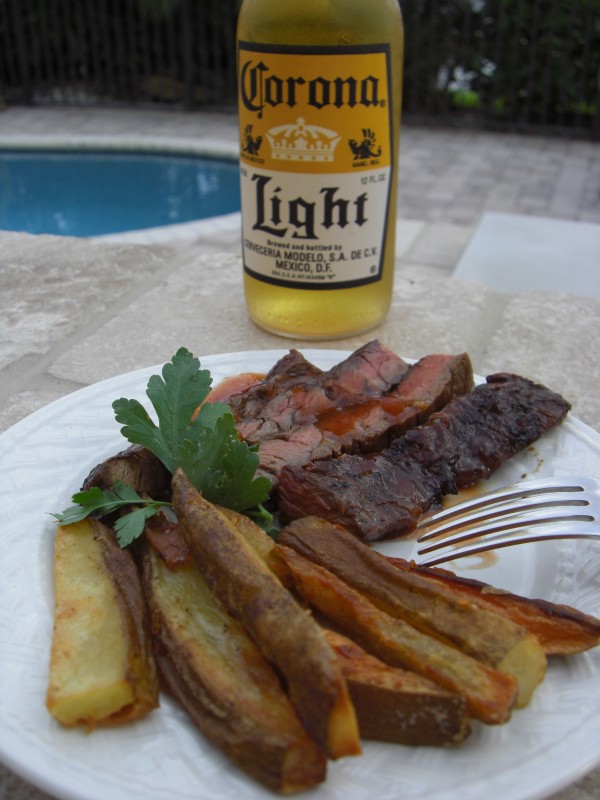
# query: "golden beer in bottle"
(319, 97)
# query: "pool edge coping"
(150, 144)
(165, 234)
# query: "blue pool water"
(93, 193)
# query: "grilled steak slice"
(477, 433)
(291, 370)
(424, 388)
(136, 466)
(370, 371)
(297, 447)
(369, 495)
(384, 494)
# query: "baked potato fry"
(220, 677)
(560, 629)
(286, 633)
(101, 665)
(260, 542)
(490, 694)
(431, 607)
(394, 705)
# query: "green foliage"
(548, 59)
(466, 98)
(205, 445)
(520, 61)
(533, 62)
(167, 51)
(175, 395)
(103, 502)
(159, 9)
(190, 434)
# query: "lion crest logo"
(367, 147)
(251, 144)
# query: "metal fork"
(529, 511)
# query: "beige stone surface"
(53, 287)
(440, 244)
(183, 304)
(554, 339)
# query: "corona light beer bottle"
(319, 113)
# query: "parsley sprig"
(105, 501)
(204, 443)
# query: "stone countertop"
(73, 312)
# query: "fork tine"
(520, 536)
(542, 491)
(515, 522)
(529, 511)
(502, 510)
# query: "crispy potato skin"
(258, 540)
(490, 694)
(394, 705)
(286, 633)
(429, 606)
(233, 695)
(560, 629)
(101, 664)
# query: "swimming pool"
(88, 193)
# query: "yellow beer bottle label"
(316, 163)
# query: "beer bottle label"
(316, 157)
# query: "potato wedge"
(101, 666)
(560, 629)
(490, 694)
(220, 677)
(166, 537)
(260, 542)
(285, 632)
(391, 704)
(394, 705)
(428, 606)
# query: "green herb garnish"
(204, 444)
(102, 502)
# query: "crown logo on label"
(301, 142)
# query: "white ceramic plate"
(43, 461)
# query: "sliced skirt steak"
(293, 369)
(384, 494)
(425, 387)
(364, 427)
(369, 372)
